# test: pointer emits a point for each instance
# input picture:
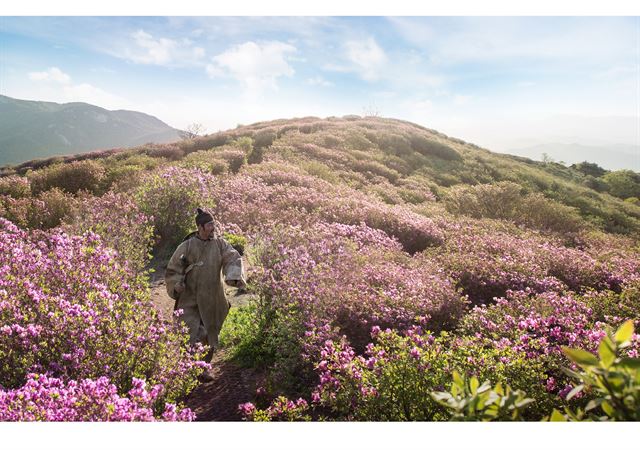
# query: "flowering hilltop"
(383, 258)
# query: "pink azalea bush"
(15, 186)
(539, 324)
(357, 277)
(280, 410)
(260, 198)
(331, 279)
(117, 219)
(620, 255)
(486, 264)
(44, 398)
(69, 308)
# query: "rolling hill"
(373, 245)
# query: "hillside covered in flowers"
(392, 270)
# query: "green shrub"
(172, 152)
(235, 159)
(70, 177)
(171, 197)
(15, 186)
(121, 175)
(205, 142)
(240, 334)
(42, 212)
(377, 169)
(256, 155)
(237, 242)
(264, 139)
(428, 147)
(57, 204)
(623, 183)
(394, 143)
(320, 170)
(509, 201)
(589, 169)
(207, 161)
(245, 143)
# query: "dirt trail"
(217, 400)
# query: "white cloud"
(51, 74)
(161, 51)
(257, 66)
(367, 58)
(319, 81)
(525, 84)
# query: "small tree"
(588, 168)
(192, 131)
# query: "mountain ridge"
(34, 129)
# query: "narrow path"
(232, 385)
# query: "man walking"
(194, 278)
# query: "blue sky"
(497, 81)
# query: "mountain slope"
(31, 129)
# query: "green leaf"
(630, 363)
(607, 408)
(571, 373)
(580, 357)
(574, 391)
(606, 352)
(557, 416)
(457, 379)
(473, 384)
(625, 332)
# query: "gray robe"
(200, 265)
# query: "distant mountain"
(32, 129)
(611, 157)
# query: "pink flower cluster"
(261, 198)
(44, 398)
(355, 277)
(280, 410)
(71, 309)
(117, 219)
(486, 264)
(539, 325)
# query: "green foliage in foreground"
(468, 400)
(614, 379)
